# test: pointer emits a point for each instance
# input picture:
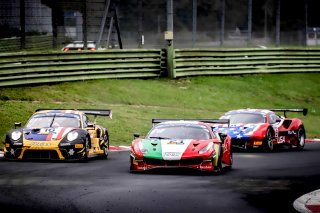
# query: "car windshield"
(180, 132)
(244, 118)
(54, 120)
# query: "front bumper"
(193, 163)
(72, 152)
(246, 143)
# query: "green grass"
(135, 102)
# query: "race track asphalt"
(258, 182)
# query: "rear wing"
(303, 110)
(212, 121)
(95, 112)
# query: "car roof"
(251, 111)
(77, 112)
(183, 122)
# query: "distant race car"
(263, 128)
(58, 134)
(79, 46)
(181, 143)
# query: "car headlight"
(72, 136)
(205, 149)
(142, 149)
(16, 135)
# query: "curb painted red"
(309, 140)
(308, 203)
(119, 148)
(313, 208)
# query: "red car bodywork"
(151, 153)
(270, 130)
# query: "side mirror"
(222, 136)
(278, 120)
(136, 135)
(18, 124)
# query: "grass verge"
(135, 102)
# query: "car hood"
(172, 149)
(45, 134)
(240, 130)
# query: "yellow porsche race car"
(59, 134)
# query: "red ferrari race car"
(182, 144)
(263, 128)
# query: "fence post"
(168, 36)
(170, 61)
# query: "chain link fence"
(52, 25)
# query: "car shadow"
(261, 150)
(181, 171)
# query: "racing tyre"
(105, 146)
(131, 165)
(86, 150)
(268, 141)
(301, 138)
(219, 163)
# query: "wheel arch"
(272, 130)
(89, 139)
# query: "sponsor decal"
(71, 152)
(172, 154)
(281, 139)
(173, 150)
(16, 143)
(46, 131)
(38, 143)
(176, 142)
(58, 133)
(291, 132)
(65, 144)
(205, 167)
(257, 143)
(78, 145)
(276, 130)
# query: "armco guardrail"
(32, 68)
(35, 42)
(39, 67)
(189, 62)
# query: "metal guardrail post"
(170, 60)
(168, 36)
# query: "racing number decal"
(276, 132)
